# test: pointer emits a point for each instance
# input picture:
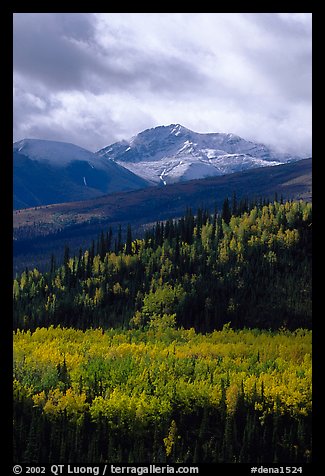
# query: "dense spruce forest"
(192, 344)
(251, 268)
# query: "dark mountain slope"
(48, 172)
(41, 231)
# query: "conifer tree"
(226, 212)
(128, 245)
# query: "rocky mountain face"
(170, 154)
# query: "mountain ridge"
(173, 153)
(46, 172)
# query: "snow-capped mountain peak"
(173, 153)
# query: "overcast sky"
(95, 78)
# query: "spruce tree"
(128, 246)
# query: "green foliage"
(163, 389)
(162, 323)
(162, 300)
(252, 268)
(189, 345)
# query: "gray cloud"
(95, 78)
(50, 48)
(61, 52)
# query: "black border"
(6, 188)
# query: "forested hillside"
(250, 266)
(190, 345)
